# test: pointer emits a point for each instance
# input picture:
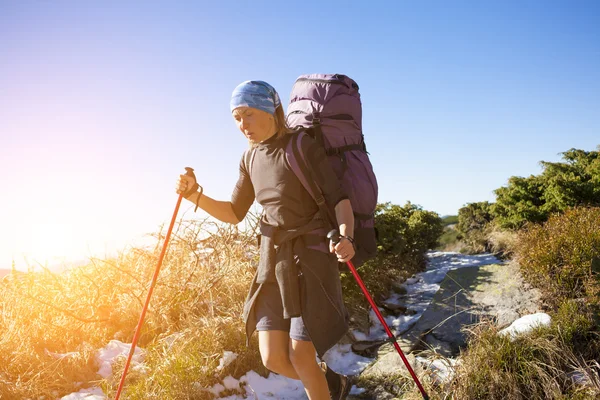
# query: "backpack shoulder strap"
(297, 161)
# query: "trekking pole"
(138, 330)
(335, 237)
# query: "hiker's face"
(255, 124)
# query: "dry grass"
(198, 300)
(542, 365)
(200, 292)
(559, 256)
(502, 241)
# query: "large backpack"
(329, 107)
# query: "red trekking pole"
(334, 236)
(138, 330)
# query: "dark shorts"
(269, 314)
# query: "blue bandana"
(255, 94)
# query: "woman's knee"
(274, 360)
(303, 355)
(273, 347)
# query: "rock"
(506, 317)
(381, 394)
(367, 348)
(391, 364)
(526, 324)
(405, 345)
(394, 308)
(440, 346)
(400, 289)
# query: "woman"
(295, 301)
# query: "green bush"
(571, 183)
(558, 257)
(408, 230)
(520, 202)
(473, 225)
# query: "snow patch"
(442, 370)
(231, 383)
(343, 360)
(106, 357)
(273, 387)
(526, 324)
(93, 393)
(228, 358)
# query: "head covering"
(255, 94)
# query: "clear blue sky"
(103, 103)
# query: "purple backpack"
(329, 107)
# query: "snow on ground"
(341, 359)
(114, 349)
(526, 324)
(105, 358)
(228, 357)
(254, 386)
(442, 368)
(94, 393)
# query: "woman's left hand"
(344, 250)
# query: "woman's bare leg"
(274, 351)
(303, 357)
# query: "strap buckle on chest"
(316, 118)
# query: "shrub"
(557, 257)
(407, 230)
(473, 225)
(573, 182)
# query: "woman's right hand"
(186, 185)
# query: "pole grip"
(334, 236)
(189, 171)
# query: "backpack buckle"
(333, 151)
(320, 200)
(316, 118)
